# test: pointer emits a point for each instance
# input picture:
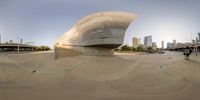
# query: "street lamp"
(140, 45)
(18, 45)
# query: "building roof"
(97, 25)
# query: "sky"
(44, 21)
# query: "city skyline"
(45, 21)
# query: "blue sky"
(44, 21)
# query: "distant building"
(154, 46)
(10, 41)
(162, 44)
(174, 42)
(136, 42)
(21, 41)
(148, 41)
(179, 45)
(193, 42)
(170, 45)
(198, 38)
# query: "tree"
(140, 48)
(43, 48)
(125, 48)
(149, 49)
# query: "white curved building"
(96, 34)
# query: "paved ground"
(121, 77)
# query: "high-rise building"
(148, 41)
(162, 44)
(154, 46)
(21, 41)
(193, 42)
(198, 38)
(170, 45)
(174, 42)
(10, 41)
(136, 42)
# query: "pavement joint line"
(66, 70)
(5, 82)
(29, 70)
(107, 80)
(149, 94)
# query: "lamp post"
(140, 45)
(18, 45)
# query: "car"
(161, 52)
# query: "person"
(187, 52)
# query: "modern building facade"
(170, 45)
(198, 39)
(154, 45)
(174, 42)
(193, 42)
(162, 44)
(148, 41)
(136, 42)
(96, 34)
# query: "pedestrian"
(187, 52)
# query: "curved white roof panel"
(99, 29)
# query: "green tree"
(43, 48)
(126, 48)
(140, 48)
(149, 49)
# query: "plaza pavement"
(120, 77)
